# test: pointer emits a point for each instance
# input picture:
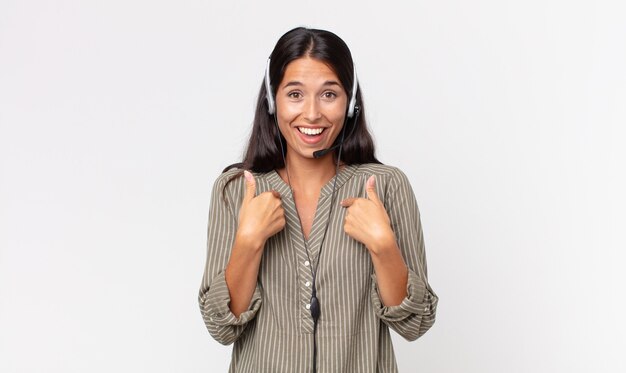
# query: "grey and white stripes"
(275, 333)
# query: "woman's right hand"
(260, 217)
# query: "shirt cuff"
(218, 299)
(414, 303)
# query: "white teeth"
(310, 131)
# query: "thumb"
(250, 186)
(370, 189)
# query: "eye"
(329, 95)
(296, 95)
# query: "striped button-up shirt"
(275, 334)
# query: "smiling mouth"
(311, 131)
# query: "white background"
(116, 117)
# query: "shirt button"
(307, 284)
(308, 306)
(306, 263)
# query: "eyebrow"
(297, 83)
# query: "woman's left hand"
(367, 220)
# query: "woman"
(315, 249)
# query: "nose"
(312, 111)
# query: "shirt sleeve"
(214, 298)
(416, 314)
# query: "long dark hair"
(263, 153)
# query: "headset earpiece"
(355, 84)
(269, 95)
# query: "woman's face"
(310, 107)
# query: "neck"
(308, 175)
